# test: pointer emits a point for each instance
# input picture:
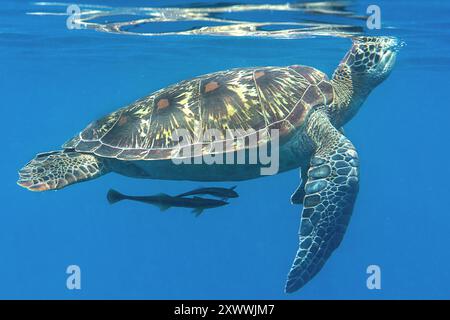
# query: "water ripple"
(218, 20)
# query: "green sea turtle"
(306, 107)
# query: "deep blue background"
(54, 81)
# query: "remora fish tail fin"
(114, 196)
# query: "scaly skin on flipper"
(299, 193)
(55, 170)
(332, 184)
(330, 191)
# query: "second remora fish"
(222, 193)
(164, 201)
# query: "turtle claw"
(32, 186)
(24, 183)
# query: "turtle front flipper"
(330, 192)
(55, 170)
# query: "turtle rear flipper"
(330, 193)
(55, 170)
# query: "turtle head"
(369, 62)
(371, 59)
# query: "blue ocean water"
(54, 81)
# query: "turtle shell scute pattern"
(257, 99)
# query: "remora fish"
(164, 201)
(222, 193)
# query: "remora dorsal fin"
(198, 211)
(161, 194)
(163, 207)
